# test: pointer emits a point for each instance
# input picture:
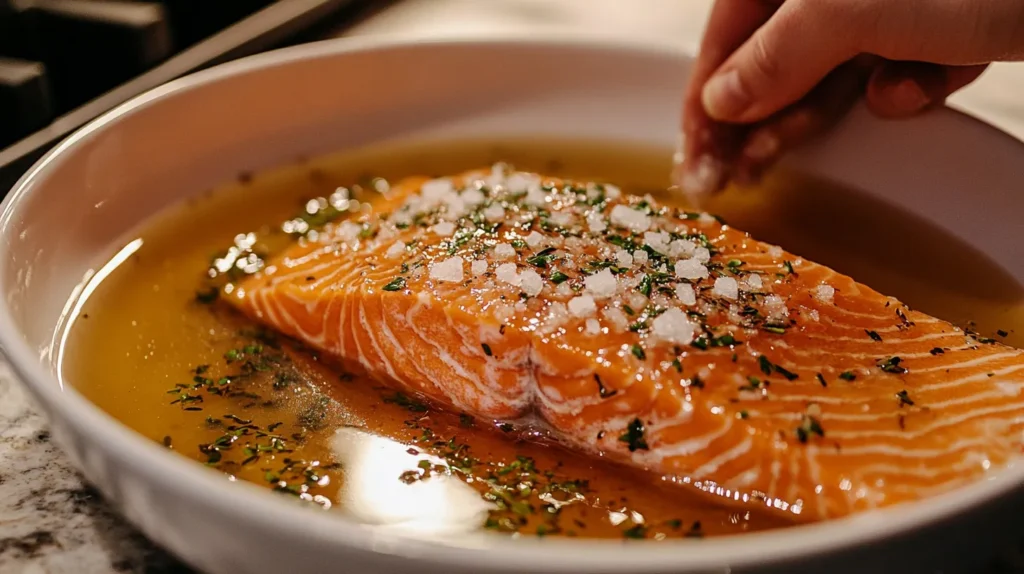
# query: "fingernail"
(907, 96)
(701, 177)
(724, 96)
(679, 155)
(762, 146)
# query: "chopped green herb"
(847, 376)
(904, 398)
(629, 310)
(788, 266)
(396, 284)
(808, 426)
(696, 382)
(518, 244)
(634, 436)
(678, 365)
(636, 532)
(645, 285)
(1002, 333)
(892, 365)
(557, 277)
(487, 349)
(208, 295)
(937, 351)
(874, 336)
(743, 414)
(602, 390)
(821, 379)
(638, 352)
(407, 402)
(700, 342)
(778, 330)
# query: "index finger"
(708, 146)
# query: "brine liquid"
(205, 382)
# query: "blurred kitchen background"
(63, 62)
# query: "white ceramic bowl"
(62, 217)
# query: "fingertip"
(725, 98)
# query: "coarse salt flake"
(616, 318)
(473, 197)
(593, 327)
(478, 267)
(754, 281)
(534, 239)
(702, 254)
(507, 273)
(448, 270)
(494, 212)
(680, 248)
(504, 251)
(775, 251)
(612, 191)
(690, 269)
(535, 196)
(602, 284)
(349, 231)
(445, 228)
(726, 287)
(582, 306)
(673, 326)
(640, 257)
(657, 240)
(561, 218)
(397, 248)
(436, 188)
(631, 219)
(595, 222)
(686, 294)
(824, 293)
(531, 283)
(624, 258)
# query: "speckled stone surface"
(51, 521)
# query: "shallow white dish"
(62, 218)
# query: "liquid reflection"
(375, 492)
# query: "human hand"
(772, 74)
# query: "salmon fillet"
(651, 336)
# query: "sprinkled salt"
(436, 188)
(494, 212)
(754, 281)
(348, 231)
(535, 196)
(623, 258)
(691, 269)
(775, 307)
(640, 257)
(582, 306)
(534, 239)
(702, 254)
(726, 287)
(504, 251)
(616, 318)
(657, 240)
(680, 248)
(593, 327)
(558, 313)
(686, 294)
(448, 270)
(445, 228)
(602, 284)
(518, 182)
(824, 293)
(673, 326)
(479, 267)
(531, 282)
(473, 197)
(612, 191)
(507, 273)
(560, 218)
(636, 300)
(631, 219)
(706, 218)
(397, 248)
(595, 222)
(775, 251)
(563, 290)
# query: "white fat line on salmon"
(402, 350)
(971, 363)
(909, 435)
(311, 308)
(374, 344)
(456, 368)
(740, 449)
(814, 470)
(802, 352)
(684, 448)
(883, 349)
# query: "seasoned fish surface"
(658, 338)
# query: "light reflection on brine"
(375, 494)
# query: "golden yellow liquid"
(141, 335)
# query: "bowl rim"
(172, 473)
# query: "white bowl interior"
(66, 214)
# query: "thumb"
(782, 61)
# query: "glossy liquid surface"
(150, 349)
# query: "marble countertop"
(52, 522)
